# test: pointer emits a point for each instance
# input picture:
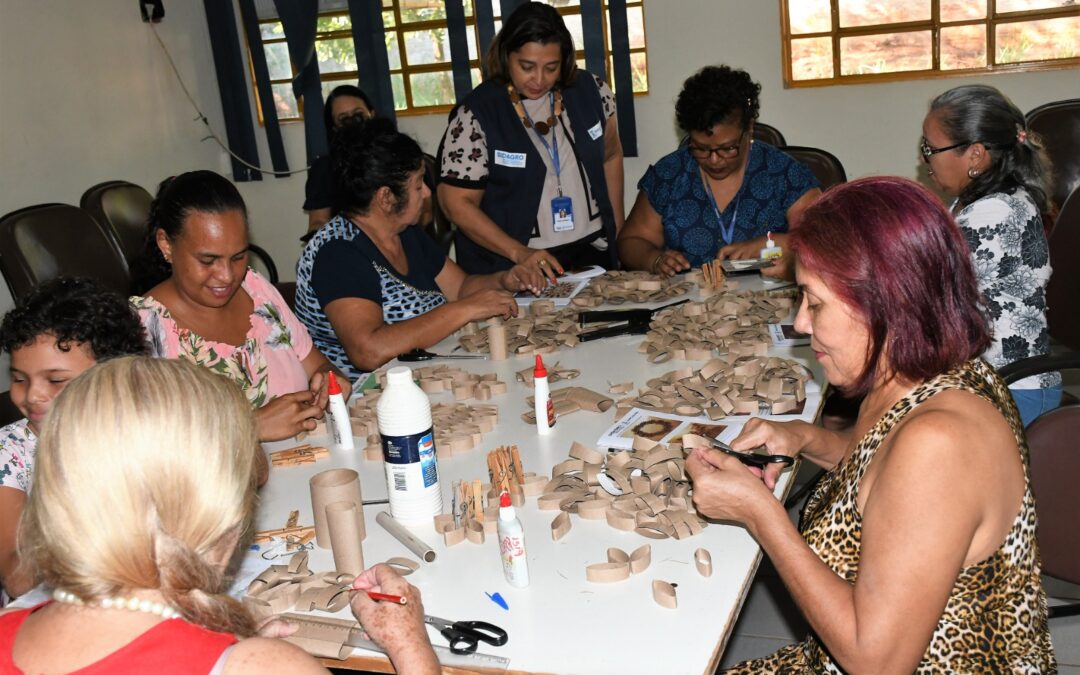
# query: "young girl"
(61, 330)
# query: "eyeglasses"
(724, 151)
(928, 150)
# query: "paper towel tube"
(334, 485)
(422, 550)
(345, 537)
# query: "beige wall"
(87, 96)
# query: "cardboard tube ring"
(606, 573)
(664, 594)
(560, 526)
(586, 454)
(403, 566)
(703, 562)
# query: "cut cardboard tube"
(422, 550)
(335, 485)
(496, 340)
(345, 537)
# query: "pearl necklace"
(133, 604)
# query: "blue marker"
(498, 600)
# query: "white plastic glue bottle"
(412, 473)
(339, 422)
(771, 250)
(543, 405)
(512, 544)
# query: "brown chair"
(768, 134)
(123, 207)
(1055, 464)
(1063, 291)
(826, 167)
(1059, 125)
(42, 242)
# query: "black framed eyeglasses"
(928, 150)
(723, 151)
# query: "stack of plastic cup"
(412, 474)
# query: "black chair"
(122, 207)
(440, 228)
(1063, 291)
(9, 412)
(826, 167)
(768, 134)
(42, 242)
(1055, 464)
(1059, 125)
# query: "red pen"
(384, 597)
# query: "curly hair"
(717, 95)
(977, 113)
(75, 311)
(370, 154)
(177, 198)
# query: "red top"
(539, 370)
(173, 646)
(333, 387)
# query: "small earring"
(972, 173)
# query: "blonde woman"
(143, 484)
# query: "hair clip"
(1021, 134)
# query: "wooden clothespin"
(301, 454)
(293, 533)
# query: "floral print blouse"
(18, 445)
(269, 362)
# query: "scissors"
(464, 636)
(424, 355)
(750, 458)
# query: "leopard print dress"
(995, 617)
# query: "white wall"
(87, 96)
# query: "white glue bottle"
(543, 405)
(412, 474)
(512, 544)
(339, 422)
(771, 250)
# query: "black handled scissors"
(750, 458)
(464, 636)
(424, 355)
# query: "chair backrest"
(9, 412)
(1055, 464)
(1063, 291)
(826, 167)
(122, 207)
(1059, 125)
(440, 229)
(39, 243)
(768, 134)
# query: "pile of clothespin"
(712, 274)
(301, 454)
(293, 534)
(507, 475)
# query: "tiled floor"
(770, 620)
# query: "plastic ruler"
(350, 633)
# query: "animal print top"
(995, 617)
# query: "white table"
(561, 623)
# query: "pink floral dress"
(268, 363)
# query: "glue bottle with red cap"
(337, 414)
(512, 544)
(543, 406)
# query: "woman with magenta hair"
(930, 491)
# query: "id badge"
(562, 214)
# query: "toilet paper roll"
(334, 485)
(345, 537)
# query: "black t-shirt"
(355, 268)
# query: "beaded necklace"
(132, 604)
(541, 127)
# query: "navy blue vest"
(512, 195)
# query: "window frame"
(934, 24)
(406, 70)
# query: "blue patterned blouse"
(772, 183)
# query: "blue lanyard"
(728, 233)
(553, 148)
